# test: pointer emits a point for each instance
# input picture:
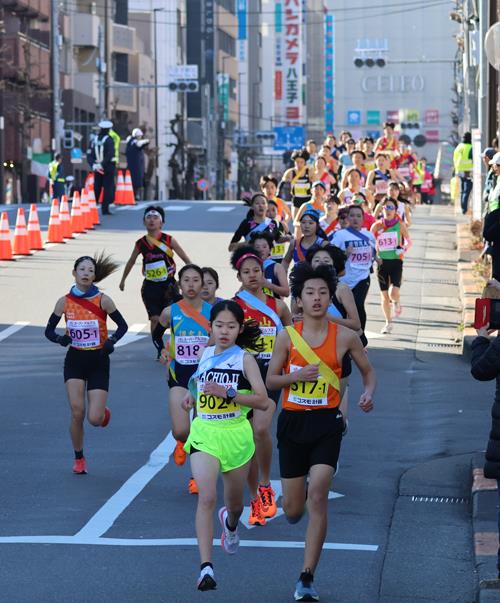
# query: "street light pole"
(157, 134)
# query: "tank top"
(388, 240)
(311, 395)
(301, 185)
(157, 260)
(187, 336)
(230, 373)
(268, 327)
(299, 251)
(349, 195)
(381, 181)
(85, 325)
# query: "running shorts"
(299, 201)
(91, 366)
(231, 443)
(309, 438)
(157, 296)
(273, 394)
(182, 374)
(390, 272)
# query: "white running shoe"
(387, 328)
(230, 540)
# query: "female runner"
(86, 365)
(210, 286)
(275, 281)
(312, 235)
(221, 438)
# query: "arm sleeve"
(158, 336)
(120, 323)
(50, 329)
(485, 363)
(241, 232)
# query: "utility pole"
(56, 83)
(2, 121)
(101, 73)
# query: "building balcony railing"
(25, 61)
(85, 30)
(123, 39)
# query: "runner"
(306, 363)
(367, 147)
(157, 248)
(257, 221)
(403, 206)
(210, 286)
(270, 314)
(359, 246)
(317, 203)
(221, 439)
(269, 186)
(278, 249)
(188, 320)
(86, 366)
(388, 143)
(300, 178)
(276, 283)
(329, 222)
(358, 161)
(392, 241)
(323, 174)
(378, 180)
(351, 186)
(312, 234)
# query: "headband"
(152, 212)
(246, 256)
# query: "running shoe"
(268, 501)
(305, 591)
(206, 581)
(80, 466)
(107, 417)
(387, 328)
(229, 540)
(256, 517)
(180, 454)
(192, 486)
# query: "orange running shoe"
(256, 517)
(80, 466)
(268, 501)
(180, 454)
(107, 417)
(192, 486)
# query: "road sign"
(76, 155)
(353, 118)
(202, 184)
(183, 72)
(288, 138)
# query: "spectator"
(491, 178)
(462, 163)
(491, 229)
(135, 160)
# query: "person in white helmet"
(135, 160)
(101, 158)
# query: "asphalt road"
(125, 532)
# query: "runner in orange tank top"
(306, 364)
(86, 366)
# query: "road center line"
(17, 326)
(102, 521)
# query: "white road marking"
(221, 208)
(373, 335)
(102, 521)
(132, 335)
(93, 541)
(17, 326)
(276, 486)
(169, 208)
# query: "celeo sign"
(398, 84)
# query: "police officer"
(135, 160)
(101, 157)
(56, 176)
(462, 163)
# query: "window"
(229, 5)
(233, 89)
(226, 42)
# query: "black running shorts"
(157, 296)
(308, 438)
(299, 201)
(91, 366)
(182, 374)
(390, 272)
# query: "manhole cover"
(443, 346)
(452, 500)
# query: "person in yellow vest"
(116, 142)
(462, 163)
(56, 176)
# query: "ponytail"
(250, 335)
(103, 265)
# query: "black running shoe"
(206, 581)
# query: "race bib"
(268, 338)
(156, 271)
(278, 251)
(381, 187)
(404, 172)
(388, 241)
(84, 333)
(308, 393)
(213, 408)
(361, 256)
(302, 190)
(187, 348)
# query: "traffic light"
(265, 137)
(184, 86)
(369, 62)
(69, 139)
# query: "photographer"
(485, 366)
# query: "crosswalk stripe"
(222, 208)
(17, 326)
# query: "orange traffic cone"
(54, 234)
(34, 233)
(120, 185)
(65, 219)
(89, 180)
(93, 208)
(5, 246)
(21, 241)
(76, 214)
(128, 190)
(87, 216)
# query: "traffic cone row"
(124, 190)
(34, 233)
(120, 184)
(77, 224)
(65, 219)
(54, 234)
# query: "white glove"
(142, 143)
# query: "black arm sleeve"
(120, 323)
(485, 363)
(243, 229)
(158, 336)
(50, 329)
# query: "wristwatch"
(231, 394)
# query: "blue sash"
(363, 237)
(334, 311)
(267, 263)
(255, 302)
(259, 228)
(209, 364)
